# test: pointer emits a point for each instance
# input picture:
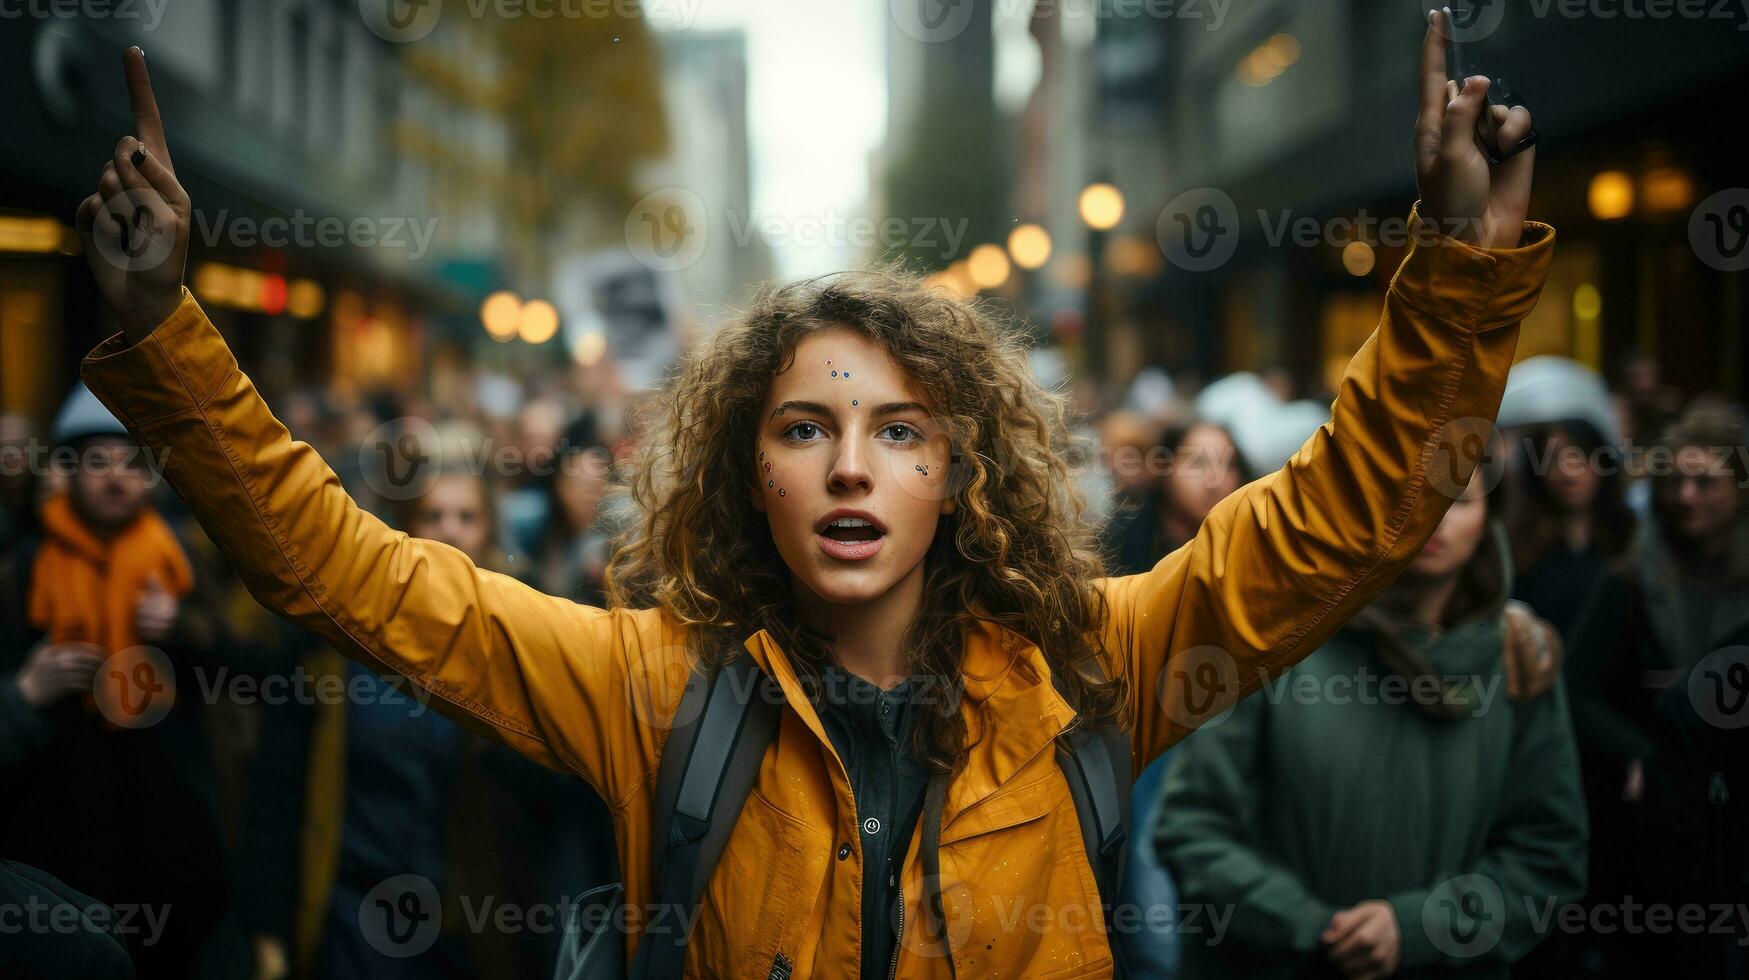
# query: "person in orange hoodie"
(108, 763)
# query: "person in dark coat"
(1353, 831)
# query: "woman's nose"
(850, 469)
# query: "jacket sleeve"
(1280, 565)
(1532, 864)
(558, 681)
(1206, 832)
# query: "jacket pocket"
(1018, 894)
(760, 896)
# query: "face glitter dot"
(770, 483)
(847, 375)
(780, 491)
(835, 374)
(854, 403)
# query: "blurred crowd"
(247, 825)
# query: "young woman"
(1206, 466)
(1410, 821)
(1574, 526)
(860, 476)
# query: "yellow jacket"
(1273, 572)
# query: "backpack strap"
(1096, 763)
(726, 720)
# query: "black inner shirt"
(870, 729)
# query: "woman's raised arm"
(1280, 565)
(572, 686)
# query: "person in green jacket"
(1386, 807)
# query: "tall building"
(1299, 112)
(947, 154)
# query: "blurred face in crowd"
(1571, 479)
(851, 469)
(1700, 499)
(454, 512)
(579, 486)
(108, 485)
(1128, 439)
(1204, 471)
(1458, 536)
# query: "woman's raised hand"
(1461, 194)
(135, 228)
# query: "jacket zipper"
(898, 931)
(893, 877)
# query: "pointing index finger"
(1433, 97)
(148, 127)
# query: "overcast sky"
(817, 107)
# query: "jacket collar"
(1012, 708)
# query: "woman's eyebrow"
(811, 408)
(817, 408)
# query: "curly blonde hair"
(1018, 549)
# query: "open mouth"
(852, 529)
(850, 535)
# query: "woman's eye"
(802, 431)
(900, 432)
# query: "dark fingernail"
(141, 50)
(139, 157)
